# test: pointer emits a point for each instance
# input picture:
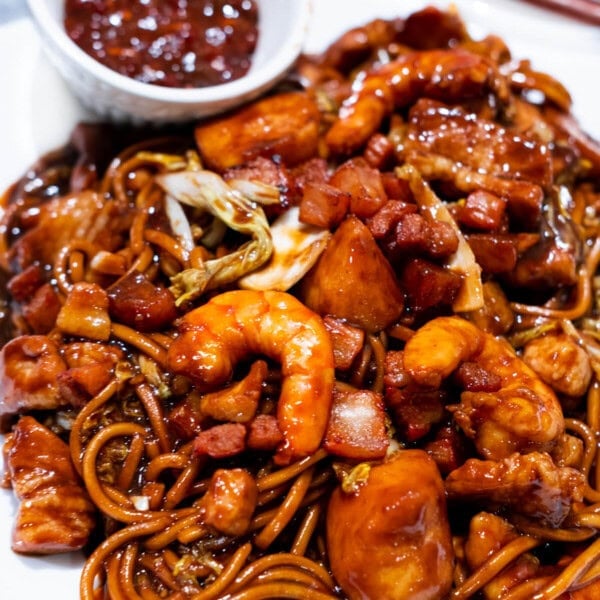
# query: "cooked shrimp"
(523, 415)
(240, 323)
(447, 75)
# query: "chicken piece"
(230, 501)
(29, 368)
(366, 292)
(560, 362)
(390, 537)
(59, 222)
(284, 125)
(488, 534)
(530, 484)
(55, 514)
(482, 145)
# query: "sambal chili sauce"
(173, 43)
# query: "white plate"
(37, 113)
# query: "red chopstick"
(584, 10)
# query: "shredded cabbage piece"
(296, 248)
(208, 191)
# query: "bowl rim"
(275, 66)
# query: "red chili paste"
(174, 43)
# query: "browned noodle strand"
(571, 573)
(96, 403)
(128, 565)
(140, 341)
(306, 530)
(155, 414)
(228, 574)
(493, 566)
(93, 564)
(286, 511)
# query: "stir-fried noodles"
(341, 343)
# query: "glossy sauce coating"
(391, 538)
(170, 43)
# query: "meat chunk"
(264, 433)
(530, 484)
(90, 368)
(366, 293)
(284, 125)
(230, 501)
(29, 368)
(356, 427)
(391, 538)
(60, 221)
(55, 514)
(221, 441)
(347, 341)
(139, 303)
(560, 362)
(482, 145)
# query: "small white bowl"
(282, 27)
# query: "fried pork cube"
(138, 302)
(357, 424)
(85, 312)
(29, 369)
(55, 514)
(284, 125)
(90, 367)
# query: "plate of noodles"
(351, 353)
